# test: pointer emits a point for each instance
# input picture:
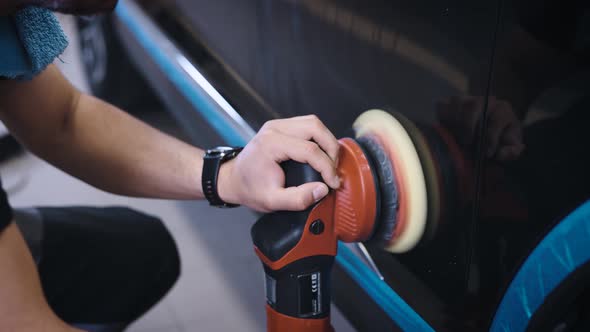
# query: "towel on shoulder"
(30, 40)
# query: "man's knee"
(160, 247)
(130, 259)
(151, 247)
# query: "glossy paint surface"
(541, 89)
(338, 59)
(500, 89)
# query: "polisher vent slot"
(355, 201)
(345, 214)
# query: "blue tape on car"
(565, 248)
(385, 297)
(197, 98)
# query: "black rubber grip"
(276, 233)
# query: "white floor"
(221, 286)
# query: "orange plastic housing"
(310, 244)
(356, 199)
(348, 213)
(276, 321)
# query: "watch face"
(221, 151)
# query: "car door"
(337, 59)
(429, 61)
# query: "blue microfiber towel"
(29, 41)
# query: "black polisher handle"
(302, 288)
(276, 233)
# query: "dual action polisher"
(395, 179)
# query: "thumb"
(298, 198)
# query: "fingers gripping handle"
(297, 250)
(297, 173)
(275, 234)
(283, 237)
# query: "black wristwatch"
(212, 161)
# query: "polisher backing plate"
(397, 218)
(388, 189)
(433, 187)
(408, 170)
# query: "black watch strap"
(210, 175)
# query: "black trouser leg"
(102, 265)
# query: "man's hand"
(255, 178)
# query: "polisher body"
(386, 197)
(297, 249)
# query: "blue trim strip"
(379, 291)
(393, 305)
(198, 99)
(563, 250)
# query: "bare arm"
(97, 142)
(22, 304)
(111, 150)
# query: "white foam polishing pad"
(409, 175)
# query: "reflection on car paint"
(392, 41)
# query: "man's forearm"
(97, 142)
(79, 7)
(106, 147)
(113, 151)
